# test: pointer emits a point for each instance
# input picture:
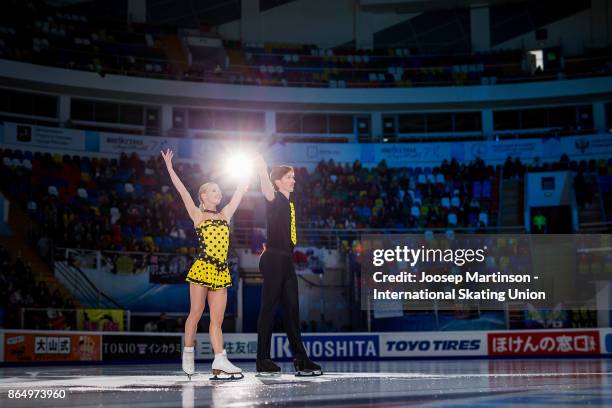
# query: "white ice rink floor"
(433, 383)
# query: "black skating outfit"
(280, 280)
(280, 283)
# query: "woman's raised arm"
(229, 210)
(194, 212)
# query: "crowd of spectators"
(35, 32)
(19, 289)
(129, 204)
(450, 195)
(515, 168)
(39, 33)
(114, 204)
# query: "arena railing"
(79, 284)
(68, 262)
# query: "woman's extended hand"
(168, 155)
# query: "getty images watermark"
(417, 272)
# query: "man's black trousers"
(280, 286)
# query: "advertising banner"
(544, 343)
(40, 346)
(26, 136)
(606, 341)
(409, 154)
(595, 145)
(310, 154)
(333, 346)
(545, 149)
(237, 345)
(141, 347)
(30, 347)
(143, 145)
(433, 344)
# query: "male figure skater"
(276, 266)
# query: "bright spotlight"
(239, 166)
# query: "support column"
(487, 124)
(599, 117)
(480, 27)
(166, 119)
(377, 126)
(269, 125)
(63, 109)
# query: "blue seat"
(486, 189)
(138, 233)
(167, 243)
(157, 241)
(477, 189)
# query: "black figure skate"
(304, 367)
(266, 368)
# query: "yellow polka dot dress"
(210, 268)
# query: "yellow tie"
(293, 230)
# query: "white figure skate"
(222, 369)
(188, 364)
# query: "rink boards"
(23, 346)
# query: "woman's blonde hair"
(202, 190)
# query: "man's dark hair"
(277, 173)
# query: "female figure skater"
(209, 275)
(276, 266)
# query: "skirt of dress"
(206, 274)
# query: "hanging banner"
(25, 136)
(143, 145)
(309, 154)
(409, 154)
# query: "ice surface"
(435, 383)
